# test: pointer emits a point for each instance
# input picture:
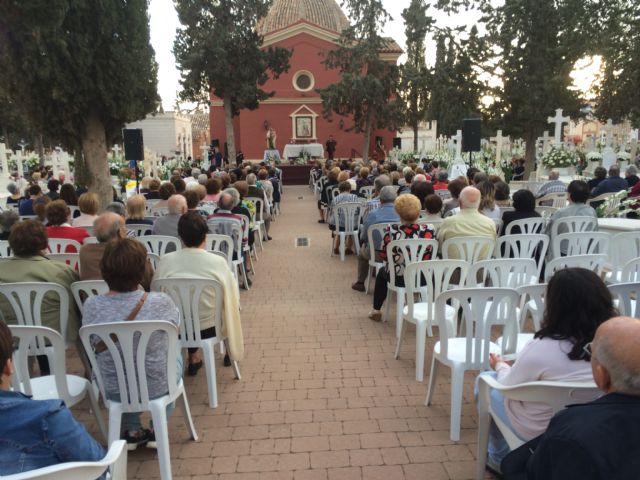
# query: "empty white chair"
(480, 307)
(375, 234)
(555, 394)
(503, 273)
(531, 245)
(5, 250)
(140, 229)
(427, 280)
(115, 460)
(526, 225)
(186, 293)
(470, 249)
(590, 262)
(64, 245)
(70, 388)
(627, 296)
(158, 244)
(87, 288)
(222, 244)
(118, 337)
(71, 259)
(346, 218)
(587, 244)
(411, 250)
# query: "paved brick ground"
(321, 397)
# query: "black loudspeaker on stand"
(471, 134)
(133, 148)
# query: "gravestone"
(634, 146)
(608, 154)
(498, 139)
(458, 144)
(4, 162)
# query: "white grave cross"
(116, 150)
(608, 128)
(633, 151)
(458, 141)
(498, 139)
(558, 120)
(3, 160)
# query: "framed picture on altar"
(304, 127)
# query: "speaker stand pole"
(137, 173)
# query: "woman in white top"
(488, 205)
(576, 303)
(89, 204)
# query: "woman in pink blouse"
(576, 303)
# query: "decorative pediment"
(304, 111)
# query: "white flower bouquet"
(560, 158)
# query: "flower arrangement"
(623, 156)
(594, 156)
(30, 162)
(559, 158)
(617, 205)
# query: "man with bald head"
(168, 225)
(469, 222)
(599, 439)
(107, 227)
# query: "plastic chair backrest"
(26, 300)
(159, 211)
(140, 229)
(332, 192)
(375, 235)
(526, 225)
(367, 191)
(546, 212)
(71, 259)
(90, 241)
(470, 249)
(482, 308)
(39, 341)
(434, 224)
(116, 459)
(429, 279)
(127, 344)
(624, 248)
(259, 204)
(221, 244)
(628, 295)
(559, 199)
(590, 262)
(186, 293)
(347, 216)
(534, 293)
(87, 288)
(5, 250)
(631, 271)
(531, 245)
(158, 244)
(573, 225)
(588, 244)
(503, 272)
(154, 259)
(64, 245)
(229, 229)
(412, 250)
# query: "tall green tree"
(619, 95)
(415, 76)
(79, 71)
(538, 43)
(218, 50)
(367, 90)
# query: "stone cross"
(558, 120)
(205, 152)
(498, 139)
(3, 160)
(18, 157)
(608, 128)
(633, 138)
(545, 142)
(458, 141)
(116, 150)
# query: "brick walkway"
(321, 395)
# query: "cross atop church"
(558, 120)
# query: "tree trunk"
(228, 125)
(94, 148)
(415, 137)
(530, 153)
(367, 139)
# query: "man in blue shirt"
(385, 214)
(612, 184)
(25, 207)
(36, 433)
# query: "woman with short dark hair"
(122, 266)
(577, 302)
(524, 204)
(59, 226)
(68, 194)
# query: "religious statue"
(271, 139)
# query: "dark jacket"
(510, 216)
(599, 440)
(610, 185)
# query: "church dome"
(323, 13)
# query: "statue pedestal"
(271, 155)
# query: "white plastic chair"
(5, 250)
(158, 244)
(26, 299)
(624, 248)
(571, 225)
(470, 249)
(630, 272)
(235, 231)
(159, 211)
(532, 245)
(71, 259)
(375, 231)
(346, 217)
(140, 229)
(480, 312)
(427, 280)
(64, 245)
(628, 298)
(555, 394)
(412, 250)
(526, 225)
(367, 191)
(558, 200)
(115, 460)
(590, 262)
(259, 219)
(154, 259)
(131, 373)
(503, 273)
(434, 224)
(87, 288)
(222, 244)
(90, 241)
(70, 388)
(186, 293)
(586, 244)
(546, 212)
